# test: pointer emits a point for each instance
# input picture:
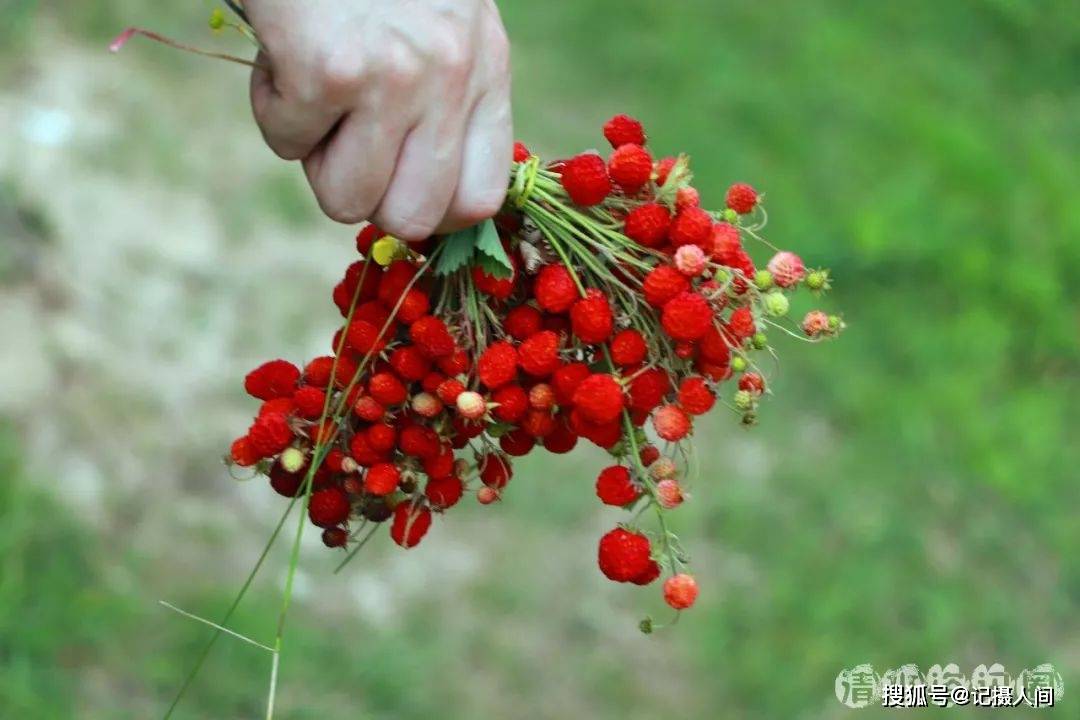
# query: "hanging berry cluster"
(603, 303)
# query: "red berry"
(410, 524)
(623, 129)
(671, 422)
(368, 408)
(419, 441)
(409, 363)
(318, 371)
(269, 434)
(273, 379)
(624, 555)
(364, 337)
(328, 507)
(429, 333)
(523, 321)
(333, 537)
(444, 492)
(585, 179)
(513, 403)
(691, 226)
(591, 319)
(648, 455)
(521, 153)
(440, 465)
(599, 397)
(669, 494)
(647, 389)
(362, 452)
(495, 470)
(243, 453)
(662, 283)
(648, 225)
(565, 381)
(787, 269)
(499, 288)
(517, 443)
(456, 363)
(752, 382)
(686, 197)
(687, 316)
(382, 437)
(741, 198)
(541, 397)
(647, 575)
(538, 423)
(497, 365)
(449, 390)
(382, 479)
(628, 348)
(539, 355)
(554, 289)
(309, 402)
(663, 169)
(680, 591)
(562, 438)
(713, 347)
(695, 397)
(630, 167)
(386, 389)
(614, 486)
(366, 237)
(741, 324)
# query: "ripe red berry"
(444, 492)
(741, 324)
(713, 347)
(741, 198)
(318, 372)
(419, 441)
(495, 470)
(648, 455)
(663, 169)
(623, 129)
(686, 316)
(585, 179)
(410, 524)
(599, 397)
(538, 423)
(680, 591)
(497, 365)
(591, 319)
(362, 452)
(499, 288)
(628, 348)
(273, 379)
(414, 304)
(366, 237)
(517, 443)
(386, 389)
(695, 397)
(440, 465)
(648, 225)
(523, 321)
(630, 167)
(691, 226)
(624, 555)
(539, 355)
(648, 388)
(521, 153)
(364, 337)
(662, 283)
(512, 403)
(562, 438)
(449, 390)
(565, 381)
(269, 434)
(409, 363)
(456, 363)
(671, 422)
(328, 507)
(614, 486)
(429, 333)
(647, 575)
(382, 437)
(243, 453)
(382, 479)
(309, 402)
(554, 289)
(369, 409)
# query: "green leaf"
(457, 250)
(489, 244)
(493, 267)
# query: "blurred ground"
(911, 494)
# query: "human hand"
(399, 109)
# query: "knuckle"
(480, 205)
(339, 73)
(340, 211)
(405, 227)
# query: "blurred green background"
(910, 496)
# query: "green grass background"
(911, 494)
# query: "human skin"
(399, 110)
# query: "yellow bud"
(217, 19)
(386, 249)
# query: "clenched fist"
(399, 109)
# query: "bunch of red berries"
(604, 303)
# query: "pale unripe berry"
(669, 493)
(738, 363)
(744, 400)
(292, 460)
(763, 279)
(471, 405)
(690, 260)
(776, 303)
(541, 397)
(663, 468)
(487, 495)
(426, 405)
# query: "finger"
(425, 176)
(290, 127)
(351, 170)
(487, 152)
